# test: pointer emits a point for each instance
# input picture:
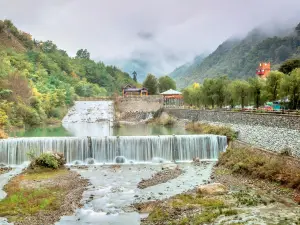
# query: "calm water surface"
(98, 129)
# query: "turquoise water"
(98, 129)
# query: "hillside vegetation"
(38, 81)
(239, 58)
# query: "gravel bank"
(160, 177)
(271, 138)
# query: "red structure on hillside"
(264, 69)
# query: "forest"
(39, 81)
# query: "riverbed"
(113, 190)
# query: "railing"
(100, 98)
(256, 111)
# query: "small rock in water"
(90, 161)
(77, 162)
(120, 159)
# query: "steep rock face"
(239, 58)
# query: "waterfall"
(106, 149)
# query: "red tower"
(264, 69)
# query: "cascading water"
(106, 149)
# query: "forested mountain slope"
(239, 58)
(39, 81)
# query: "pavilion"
(172, 98)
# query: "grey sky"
(167, 31)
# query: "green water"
(45, 131)
(98, 130)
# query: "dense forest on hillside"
(239, 58)
(39, 81)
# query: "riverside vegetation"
(42, 193)
(39, 81)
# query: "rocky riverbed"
(113, 190)
(229, 199)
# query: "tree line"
(161, 84)
(220, 91)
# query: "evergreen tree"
(134, 76)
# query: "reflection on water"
(145, 130)
(98, 129)
(89, 129)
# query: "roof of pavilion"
(171, 92)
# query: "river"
(107, 201)
(94, 118)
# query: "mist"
(161, 34)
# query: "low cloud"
(166, 33)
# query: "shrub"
(251, 162)
(51, 160)
(3, 118)
(30, 116)
(3, 135)
(57, 112)
(204, 128)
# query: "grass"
(23, 201)
(198, 210)
(276, 168)
(43, 174)
(203, 128)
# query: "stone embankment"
(137, 108)
(244, 118)
(272, 132)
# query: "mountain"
(39, 81)
(140, 66)
(239, 58)
(183, 71)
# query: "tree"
(207, 92)
(83, 54)
(2, 26)
(290, 87)
(48, 47)
(240, 91)
(165, 83)
(151, 84)
(289, 65)
(219, 90)
(273, 84)
(134, 76)
(257, 86)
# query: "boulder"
(212, 189)
(196, 159)
(170, 166)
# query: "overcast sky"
(171, 31)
